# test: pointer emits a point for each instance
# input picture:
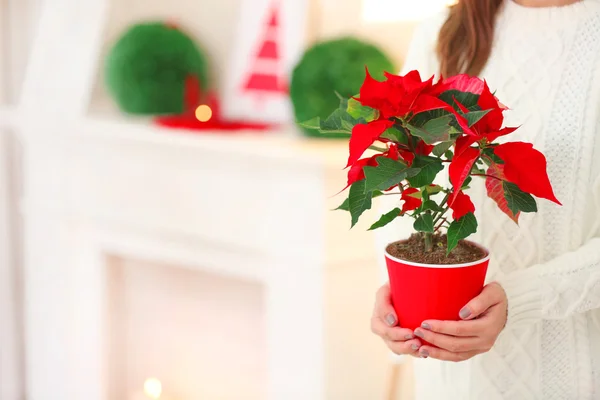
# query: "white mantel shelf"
(250, 206)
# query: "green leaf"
(435, 189)
(395, 135)
(339, 121)
(461, 229)
(440, 148)
(424, 223)
(357, 111)
(466, 182)
(477, 170)
(358, 200)
(386, 174)
(467, 99)
(474, 117)
(430, 167)
(449, 154)
(433, 131)
(430, 205)
(489, 152)
(347, 125)
(345, 206)
(314, 123)
(379, 149)
(517, 200)
(377, 193)
(334, 124)
(416, 195)
(421, 118)
(386, 219)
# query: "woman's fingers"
(410, 347)
(383, 306)
(454, 344)
(393, 334)
(455, 328)
(445, 355)
(491, 295)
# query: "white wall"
(17, 28)
(345, 18)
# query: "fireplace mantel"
(249, 206)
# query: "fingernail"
(390, 319)
(415, 346)
(419, 334)
(464, 313)
(408, 337)
(425, 325)
(424, 353)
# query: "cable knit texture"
(545, 66)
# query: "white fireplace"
(229, 237)
(201, 335)
(271, 284)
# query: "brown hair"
(465, 40)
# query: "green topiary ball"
(146, 69)
(329, 67)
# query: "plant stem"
(444, 220)
(377, 148)
(445, 200)
(440, 214)
(428, 242)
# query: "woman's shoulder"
(421, 53)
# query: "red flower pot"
(426, 291)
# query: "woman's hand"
(483, 318)
(384, 323)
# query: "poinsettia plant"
(417, 128)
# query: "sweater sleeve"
(557, 289)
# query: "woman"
(534, 333)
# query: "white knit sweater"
(545, 66)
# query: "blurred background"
(165, 226)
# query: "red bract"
(356, 173)
(424, 149)
(462, 205)
(363, 136)
(492, 136)
(492, 121)
(526, 167)
(407, 156)
(398, 96)
(462, 83)
(488, 128)
(460, 168)
(410, 203)
(463, 143)
(495, 190)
